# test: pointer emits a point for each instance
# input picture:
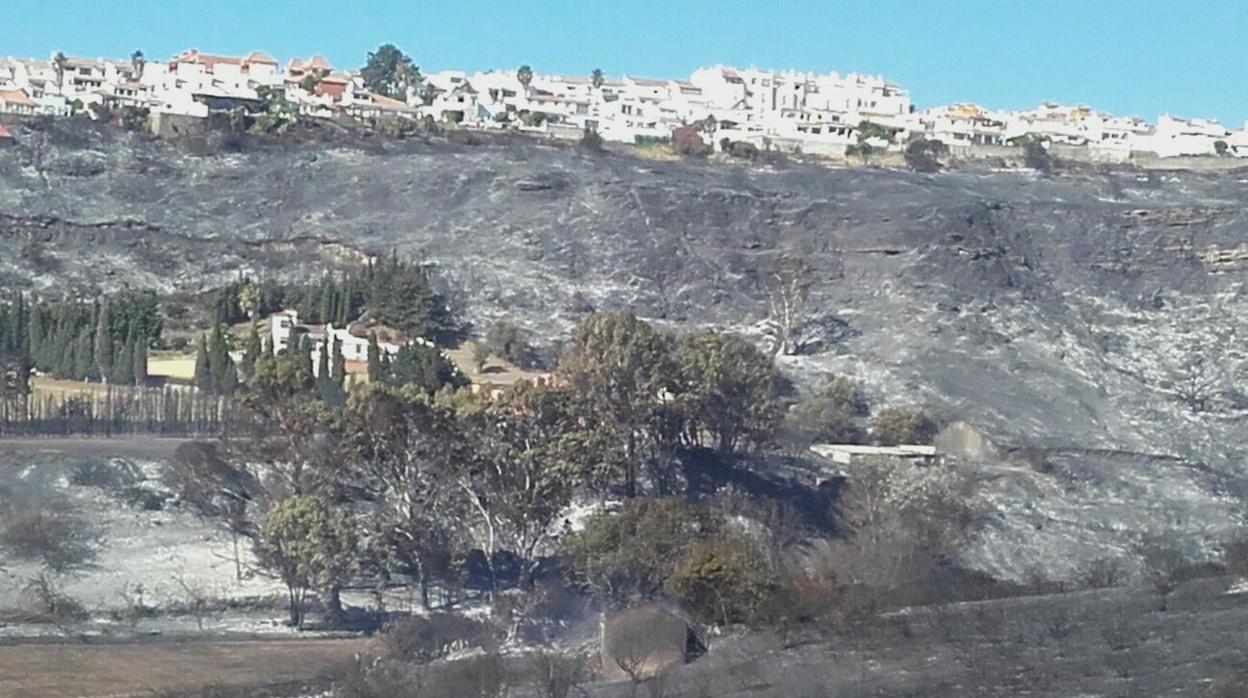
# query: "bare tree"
(1163, 567)
(1195, 383)
(787, 283)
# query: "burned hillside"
(1062, 315)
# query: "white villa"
(285, 326)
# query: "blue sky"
(1138, 57)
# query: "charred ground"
(1057, 314)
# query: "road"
(146, 669)
(120, 446)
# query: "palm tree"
(59, 63)
(596, 78)
(408, 78)
(525, 76)
(137, 61)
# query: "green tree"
(224, 372)
(628, 555)
(389, 71)
(525, 75)
(60, 64)
(622, 371)
(597, 79)
(309, 545)
(203, 370)
(424, 368)
(834, 413)
(723, 579)
(138, 353)
(894, 425)
(376, 365)
(922, 155)
(251, 353)
(402, 296)
(521, 474)
(729, 390)
(480, 356)
(104, 341)
(137, 63)
(403, 448)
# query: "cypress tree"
(35, 332)
(339, 375)
(374, 359)
(203, 371)
(104, 341)
(123, 364)
(84, 359)
(322, 363)
(303, 356)
(251, 352)
(139, 352)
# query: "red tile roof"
(16, 97)
(5, 133)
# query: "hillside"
(1059, 313)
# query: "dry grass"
(179, 367)
(43, 387)
(497, 371)
(90, 671)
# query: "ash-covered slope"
(1055, 312)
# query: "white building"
(1176, 137)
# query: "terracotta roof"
(260, 57)
(5, 133)
(384, 102)
(16, 97)
(318, 62)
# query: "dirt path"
(146, 669)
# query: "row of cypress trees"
(107, 339)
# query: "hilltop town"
(791, 111)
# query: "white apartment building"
(1176, 137)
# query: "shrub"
(893, 426)
(923, 155)
(1037, 157)
(743, 150)
(1103, 573)
(723, 579)
(510, 342)
(591, 141)
(532, 118)
(433, 637)
(686, 141)
(105, 475)
(44, 602)
(833, 414)
(453, 116)
(629, 554)
(52, 535)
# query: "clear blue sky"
(1138, 57)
